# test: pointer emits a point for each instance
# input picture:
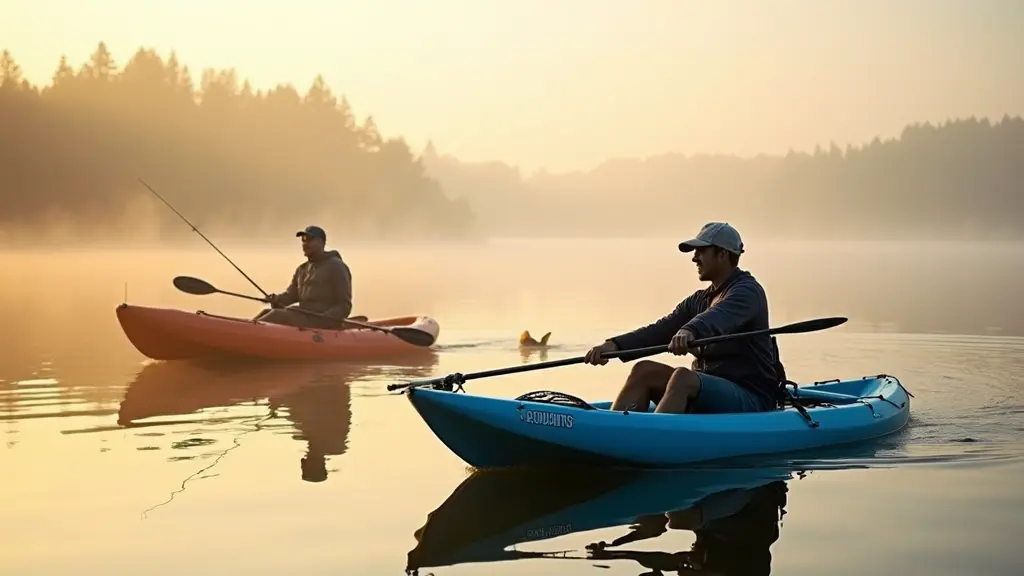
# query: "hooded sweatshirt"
(323, 285)
(738, 305)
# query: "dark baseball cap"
(313, 232)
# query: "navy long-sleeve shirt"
(739, 305)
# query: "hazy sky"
(565, 84)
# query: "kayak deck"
(171, 334)
(546, 428)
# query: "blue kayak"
(545, 427)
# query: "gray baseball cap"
(715, 234)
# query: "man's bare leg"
(647, 381)
(683, 385)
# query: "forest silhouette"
(961, 179)
(256, 164)
(235, 161)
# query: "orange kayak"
(170, 334)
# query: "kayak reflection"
(735, 514)
(734, 531)
(314, 398)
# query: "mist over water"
(548, 284)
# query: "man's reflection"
(734, 532)
(315, 398)
(322, 416)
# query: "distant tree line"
(247, 163)
(960, 179)
(254, 164)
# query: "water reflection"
(315, 401)
(528, 355)
(538, 352)
(322, 416)
(735, 513)
(495, 509)
(734, 531)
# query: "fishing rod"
(212, 245)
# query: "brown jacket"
(323, 286)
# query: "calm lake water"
(118, 465)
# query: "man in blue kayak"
(322, 284)
(733, 376)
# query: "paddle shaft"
(538, 366)
(798, 327)
(255, 299)
(351, 321)
(245, 296)
(414, 336)
(212, 245)
(303, 310)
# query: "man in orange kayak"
(737, 376)
(322, 284)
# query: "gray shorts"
(720, 396)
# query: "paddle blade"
(190, 285)
(810, 325)
(413, 336)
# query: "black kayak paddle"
(414, 336)
(795, 328)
